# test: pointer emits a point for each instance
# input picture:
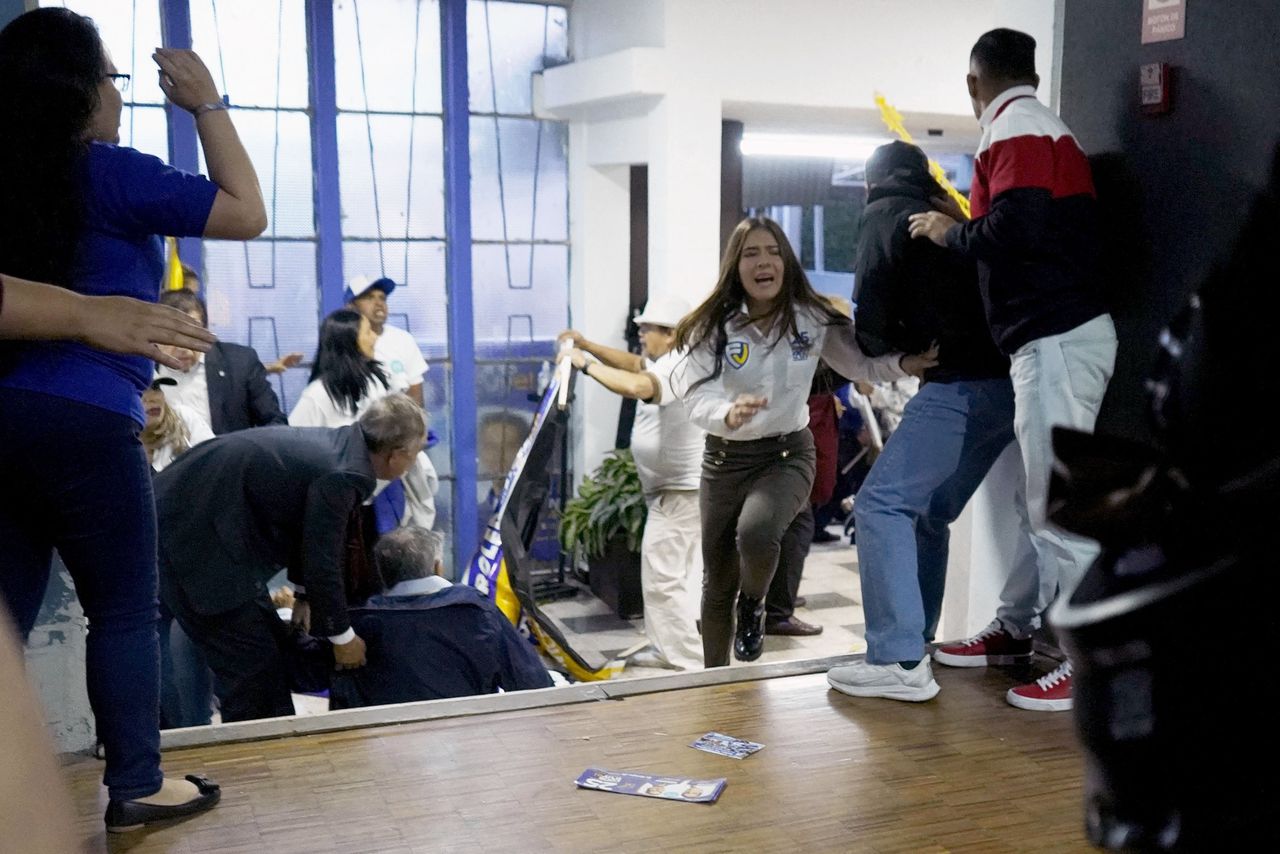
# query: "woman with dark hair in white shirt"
(346, 379)
(752, 348)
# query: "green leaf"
(609, 503)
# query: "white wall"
(839, 52)
(653, 79)
(600, 27)
(599, 303)
(651, 82)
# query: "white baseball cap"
(666, 310)
(360, 284)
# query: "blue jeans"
(950, 435)
(77, 479)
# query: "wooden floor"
(965, 772)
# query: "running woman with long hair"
(751, 351)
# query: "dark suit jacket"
(235, 509)
(239, 395)
(454, 643)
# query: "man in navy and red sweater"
(1034, 235)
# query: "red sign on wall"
(1163, 20)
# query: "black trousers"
(780, 604)
(247, 650)
(751, 493)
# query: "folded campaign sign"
(651, 786)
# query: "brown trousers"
(751, 493)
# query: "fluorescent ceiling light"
(810, 145)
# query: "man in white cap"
(667, 449)
(395, 348)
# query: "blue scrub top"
(130, 199)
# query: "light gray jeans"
(1057, 381)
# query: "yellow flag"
(173, 279)
(893, 121)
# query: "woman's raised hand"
(184, 78)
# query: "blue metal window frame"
(455, 102)
(322, 80)
(175, 23)
(184, 152)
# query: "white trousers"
(671, 576)
(1058, 381)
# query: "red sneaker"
(1051, 693)
(992, 645)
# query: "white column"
(983, 544)
(600, 233)
(684, 195)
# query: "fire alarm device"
(1154, 88)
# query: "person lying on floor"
(428, 638)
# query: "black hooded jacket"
(911, 293)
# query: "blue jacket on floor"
(453, 643)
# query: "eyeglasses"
(121, 81)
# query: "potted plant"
(606, 522)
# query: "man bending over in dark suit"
(227, 385)
(235, 509)
(428, 638)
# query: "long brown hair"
(707, 326)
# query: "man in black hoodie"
(911, 294)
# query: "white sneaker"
(885, 680)
(650, 658)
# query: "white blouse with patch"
(779, 370)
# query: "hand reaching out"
(947, 205)
(124, 325)
(349, 655)
(279, 366)
(571, 335)
(917, 363)
(932, 226)
(744, 408)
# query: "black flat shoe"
(124, 816)
(748, 641)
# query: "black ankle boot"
(748, 642)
